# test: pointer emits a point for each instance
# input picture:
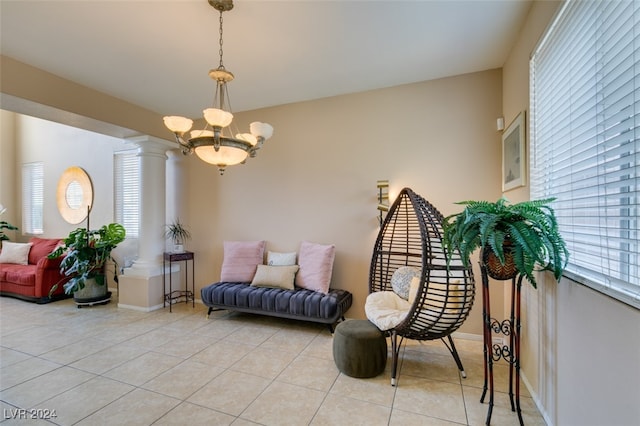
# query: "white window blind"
(32, 198)
(585, 134)
(127, 191)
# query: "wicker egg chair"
(411, 235)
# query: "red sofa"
(33, 282)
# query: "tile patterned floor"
(108, 366)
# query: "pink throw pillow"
(241, 259)
(316, 266)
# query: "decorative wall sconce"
(383, 199)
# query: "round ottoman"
(359, 348)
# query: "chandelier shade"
(214, 143)
(217, 117)
(259, 129)
(224, 155)
(178, 124)
(247, 137)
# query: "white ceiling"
(157, 53)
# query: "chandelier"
(215, 143)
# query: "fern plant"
(529, 229)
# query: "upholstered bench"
(281, 287)
(359, 349)
(299, 303)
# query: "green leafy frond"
(496, 243)
(85, 254)
(530, 226)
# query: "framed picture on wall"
(514, 172)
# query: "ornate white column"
(141, 285)
(152, 204)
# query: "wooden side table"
(494, 351)
(172, 295)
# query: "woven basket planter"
(497, 270)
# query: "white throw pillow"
(275, 276)
(453, 303)
(442, 297)
(17, 253)
(413, 289)
(386, 309)
(281, 259)
(401, 280)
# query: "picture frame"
(514, 171)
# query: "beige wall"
(316, 179)
(581, 348)
(8, 187)
(59, 147)
(515, 99)
(26, 139)
(31, 91)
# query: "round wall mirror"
(75, 195)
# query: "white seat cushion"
(386, 309)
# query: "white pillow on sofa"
(386, 309)
(275, 276)
(281, 259)
(17, 253)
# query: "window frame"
(126, 202)
(627, 223)
(33, 198)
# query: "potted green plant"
(86, 253)
(513, 237)
(5, 225)
(177, 233)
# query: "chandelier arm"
(186, 146)
(217, 133)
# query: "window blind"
(32, 198)
(585, 135)
(127, 191)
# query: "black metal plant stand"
(173, 295)
(494, 352)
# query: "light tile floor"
(108, 366)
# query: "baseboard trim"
(476, 337)
(467, 336)
(536, 399)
